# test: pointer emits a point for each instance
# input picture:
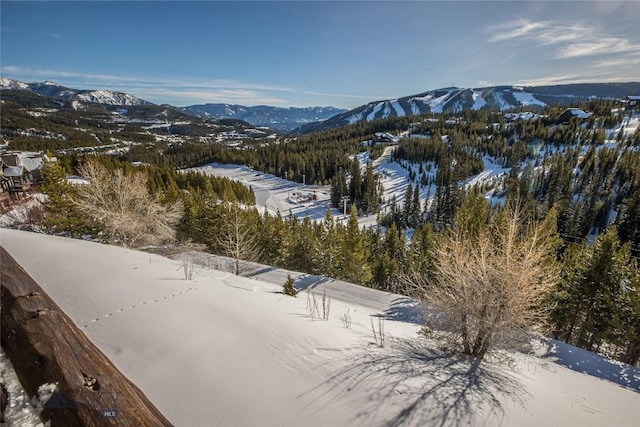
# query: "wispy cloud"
(161, 90)
(173, 90)
(134, 81)
(515, 29)
(605, 46)
(180, 96)
(345, 95)
(556, 79)
(57, 36)
(569, 39)
(594, 73)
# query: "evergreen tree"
(60, 214)
(288, 287)
(596, 278)
(339, 189)
(352, 264)
(407, 207)
(355, 183)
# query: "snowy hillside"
(275, 194)
(6, 83)
(227, 350)
(52, 89)
(455, 100)
(109, 97)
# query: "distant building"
(632, 101)
(31, 162)
(18, 170)
(384, 138)
(570, 113)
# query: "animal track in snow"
(137, 305)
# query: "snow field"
(227, 350)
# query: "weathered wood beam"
(45, 346)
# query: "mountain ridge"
(278, 118)
(52, 89)
(301, 120)
(457, 100)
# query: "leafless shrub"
(190, 267)
(378, 335)
(238, 238)
(346, 319)
(490, 284)
(318, 311)
(130, 215)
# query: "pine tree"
(288, 287)
(355, 183)
(596, 283)
(406, 210)
(60, 214)
(353, 263)
(419, 255)
(415, 211)
(339, 189)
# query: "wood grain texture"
(45, 346)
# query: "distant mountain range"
(315, 119)
(55, 90)
(455, 100)
(277, 118)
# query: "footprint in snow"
(142, 303)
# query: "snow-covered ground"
(628, 126)
(22, 410)
(226, 350)
(276, 194)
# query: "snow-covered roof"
(31, 161)
(77, 180)
(577, 112)
(14, 171)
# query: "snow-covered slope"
(6, 83)
(109, 97)
(227, 350)
(454, 100)
(52, 89)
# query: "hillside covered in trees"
(585, 168)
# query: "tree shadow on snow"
(307, 282)
(593, 364)
(409, 384)
(407, 310)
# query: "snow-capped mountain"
(263, 115)
(455, 100)
(55, 90)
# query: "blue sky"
(340, 53)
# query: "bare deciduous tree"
(491, 283)
(238, 239)
(122, 204)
